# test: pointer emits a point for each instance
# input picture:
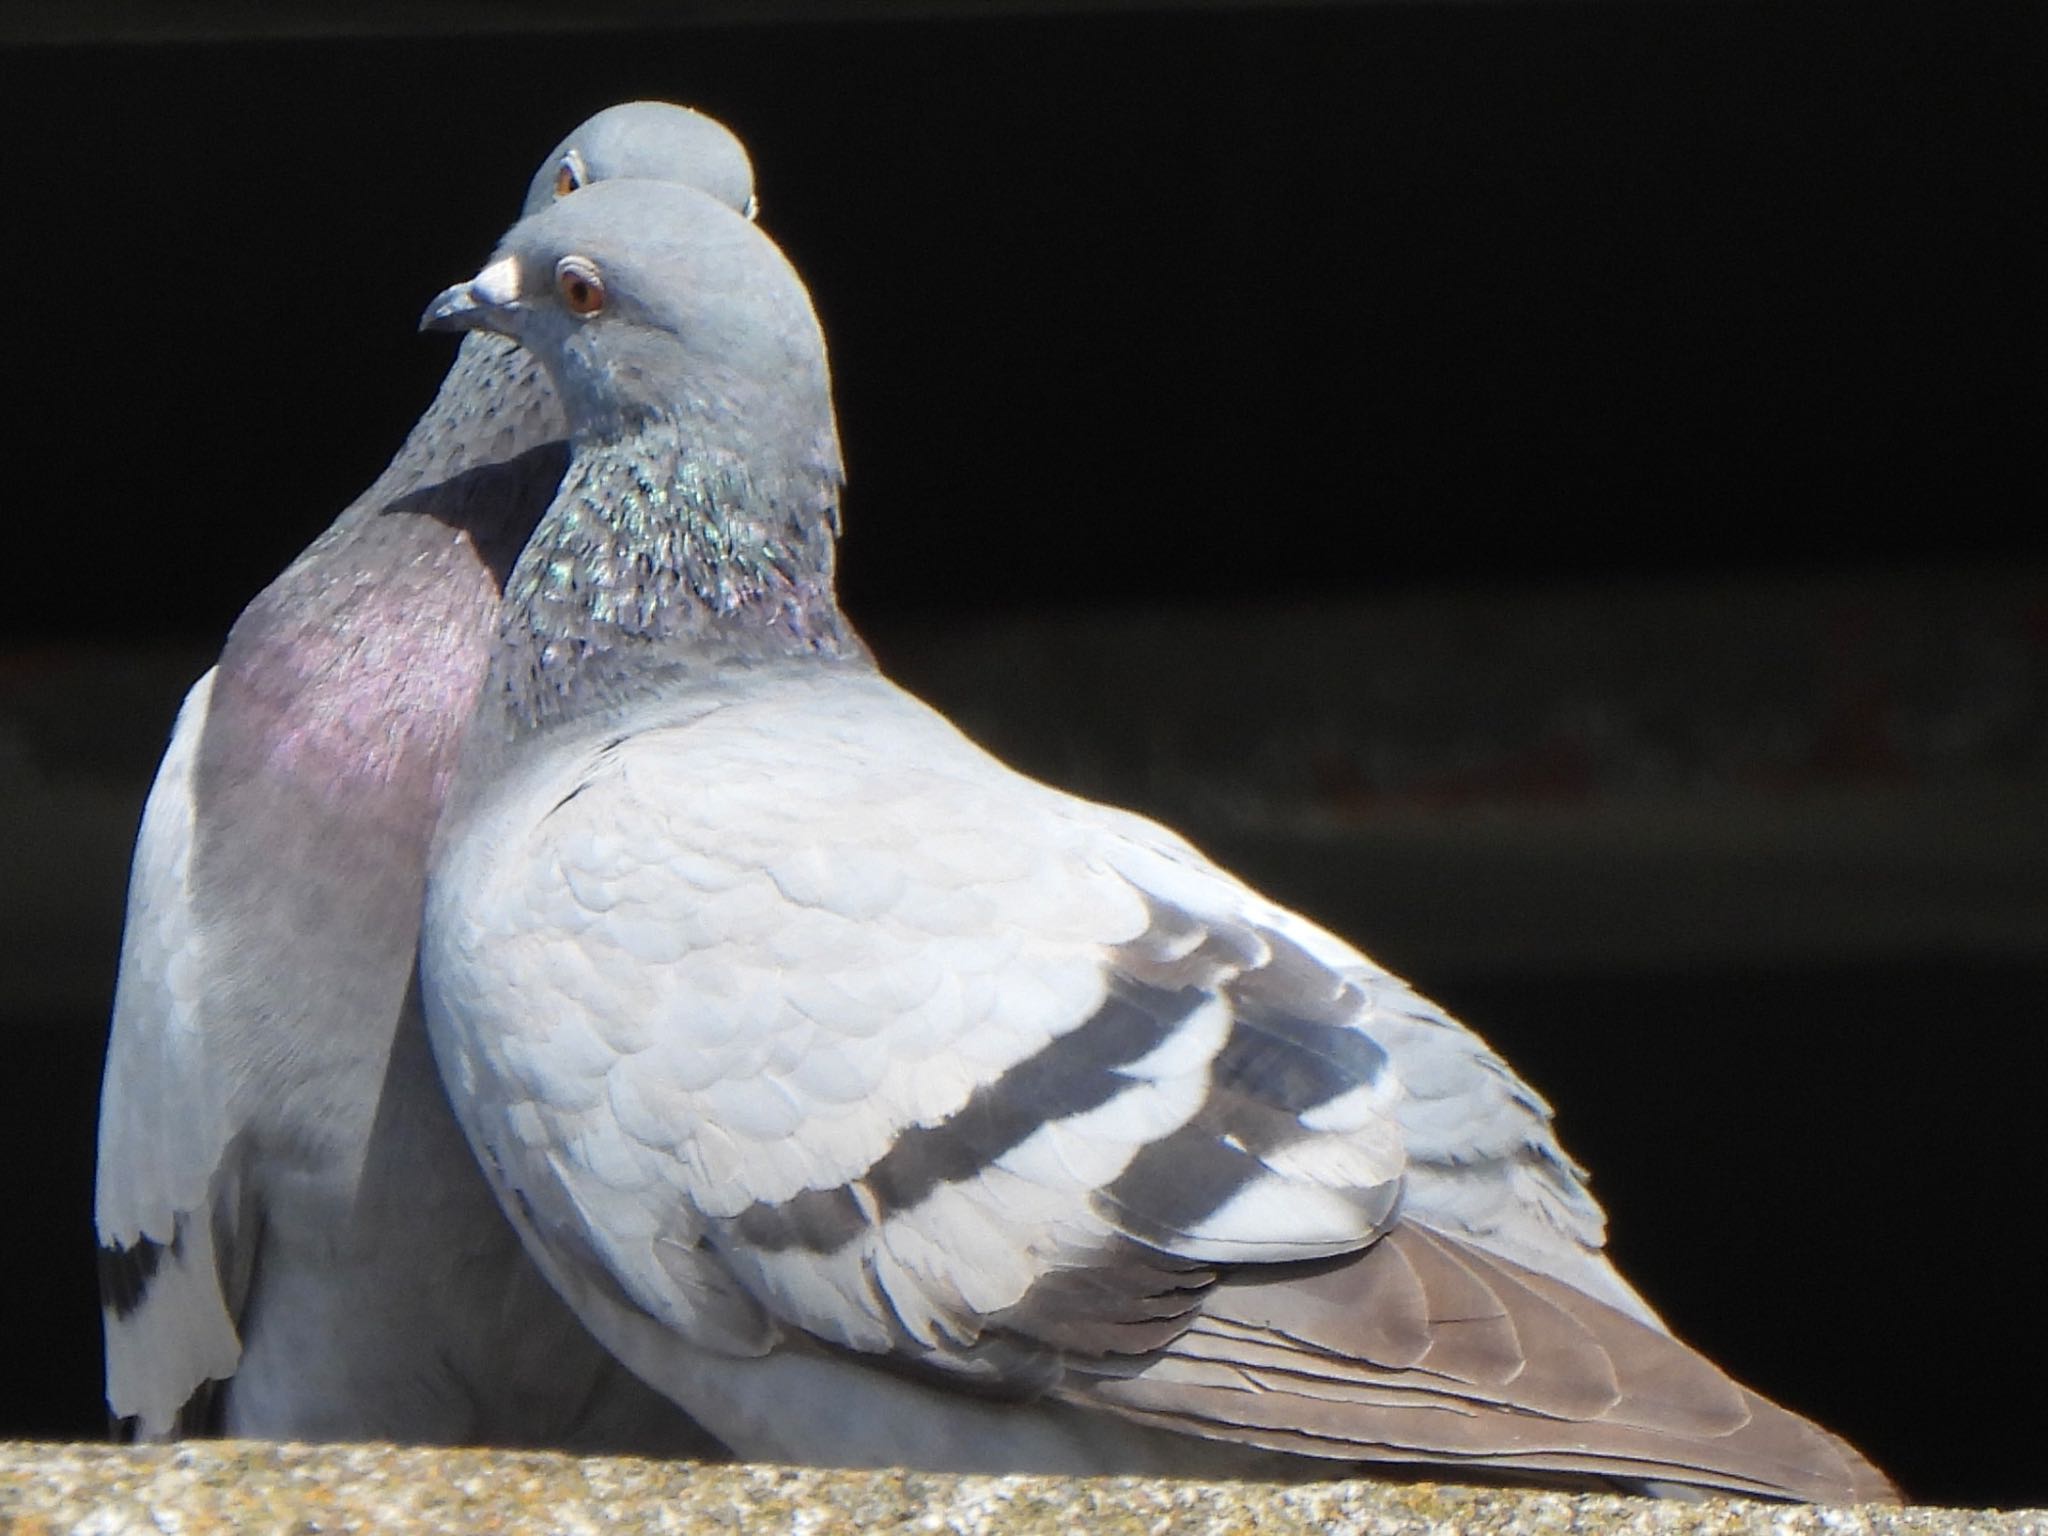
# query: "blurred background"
(1551, 489)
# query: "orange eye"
(567, 179)
(576, 278)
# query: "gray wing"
(806, 1020)
(167, 1193)
(886, 1036)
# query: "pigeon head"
(652, 303)
(647, 141)
(696, 519)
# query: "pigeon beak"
(487, 302)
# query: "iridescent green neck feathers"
(663, 554)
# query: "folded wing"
(800, 1016)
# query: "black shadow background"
(1213, 306)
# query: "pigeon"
(886, 1107)
(294, 1239)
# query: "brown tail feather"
(1425, 1349)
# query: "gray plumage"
(295, 1241)
(881, 1105)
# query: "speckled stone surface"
(260, 1489)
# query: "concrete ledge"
(254, 1489)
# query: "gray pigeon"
(295, 1241)
(884, 1106)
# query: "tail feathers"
(1424, 1349)
(169, 1335)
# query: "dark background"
(1169, 308)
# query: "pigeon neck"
(666, 554)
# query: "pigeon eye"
(579, 284)
(568, 176)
